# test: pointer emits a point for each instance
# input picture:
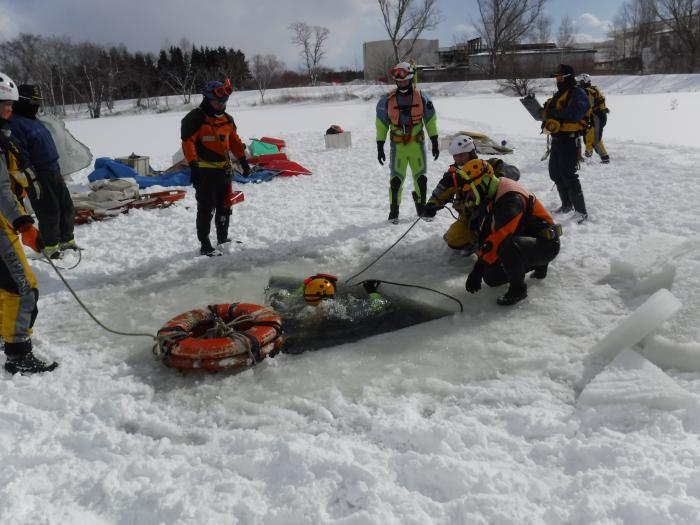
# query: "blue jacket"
(34, 142)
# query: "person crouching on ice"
(516, 235)
(461, 234)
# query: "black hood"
(24, 108)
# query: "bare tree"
(504, 23)
(181, 76)
(311, 42)
(683, 16)
(542, 30)
(405, 20)
(566, 35)
(265, 69)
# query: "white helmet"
(403, 71)
(585, 78)
(8, 89)
(461, 144)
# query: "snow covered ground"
(480, 417)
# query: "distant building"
(470, 60)
(378, 56)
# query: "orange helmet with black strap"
(318, 287)
(477, 178)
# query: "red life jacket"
(398, 132)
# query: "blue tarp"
(106, 168)
(255, 176)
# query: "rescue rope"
(347, 281)
(87, 310)
(461, 306)
(80, 258)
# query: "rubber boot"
(579, 203)
(515, 294)
(222, 223)
(420, 196)
(566, 206)
(394, 199)
(20, 358)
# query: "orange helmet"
(478, 175)
(318, 287)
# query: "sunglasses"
(225, 90)
(561, 77)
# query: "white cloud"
(592, 21)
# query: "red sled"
(286, 168)
(159, 199)
(268, 157)
(277, 142)
(233, 197)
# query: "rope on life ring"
(220, 337)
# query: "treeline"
(76, 75)
(657, 36)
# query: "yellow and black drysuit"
(18, 286)
(406, 116)
(516, 235)
(565, 116)
(599, 118)
(461, 235)
(207, 138)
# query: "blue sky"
(255, 26)
(590, 18)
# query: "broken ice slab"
(648, 317)
(631, 379)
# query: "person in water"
(318, 313)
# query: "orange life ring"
(258, 334)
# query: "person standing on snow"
(599, 118)
(406, 114)
(517, 234)
(461, 234)
(565, 117)
(18, 286)
(46, 188)
(209, 136)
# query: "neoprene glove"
(371, 285)
(195, 173)
(380, 152)
(244, 166)
(31, 237)
(473, 283)
(430, 209)
(436, 147)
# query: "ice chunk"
(670, 354)
(644, 320)
(631, 379)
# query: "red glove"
(31, 237)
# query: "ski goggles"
(400, 73)
(225, 90)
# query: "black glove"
(380, 152)
(195, 173)
(473, 283)
(244, 166)
(371, 285)
(430, 209)
(436, 147)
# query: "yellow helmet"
(318, 287)
(477, 173)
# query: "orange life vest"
(400, 133)
(532, 207)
